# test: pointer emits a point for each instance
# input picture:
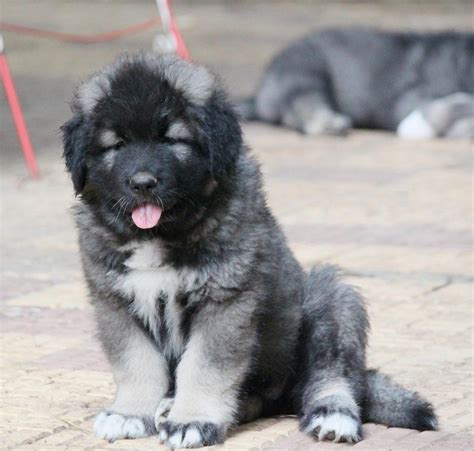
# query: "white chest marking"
(150, 281)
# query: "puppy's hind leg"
(332, 372)
(311, 113)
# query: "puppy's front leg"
(141, 375)
(209, 376)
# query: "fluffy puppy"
(418, 84)
(206, 317)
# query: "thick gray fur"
(331, 80)
(213, 322)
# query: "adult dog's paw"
(337, 425)
(190, 435)
(114, 426)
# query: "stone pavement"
(395, 215)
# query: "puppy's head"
(151, 142)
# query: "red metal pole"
(18, 119)
(181, 49)
(168, 22)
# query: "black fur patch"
(424, 417)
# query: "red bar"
(18, 119)
(181, 49)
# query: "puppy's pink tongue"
(146, 216)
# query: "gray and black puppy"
(420, 85)
(206, 317)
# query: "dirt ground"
(395, 215)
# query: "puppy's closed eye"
(117, 145)
(171, 141)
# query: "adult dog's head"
(152, 143)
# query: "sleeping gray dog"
(419, 85)
(205, 315)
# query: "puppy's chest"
(156, 292)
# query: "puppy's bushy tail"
(388, 403)
(246, 109)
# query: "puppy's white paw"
(162, 410)
(190, 435)
(336, 426)
(113, 426)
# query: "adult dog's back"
(333, 79)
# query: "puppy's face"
(152, 141)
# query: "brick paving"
(396, 216)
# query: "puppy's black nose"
(142, 182)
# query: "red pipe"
(18, 119)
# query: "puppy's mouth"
(147, 215)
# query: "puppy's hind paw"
(113, 426)
(190, 435)
(337, 426)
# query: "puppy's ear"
(75, 141)
(223, 136)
